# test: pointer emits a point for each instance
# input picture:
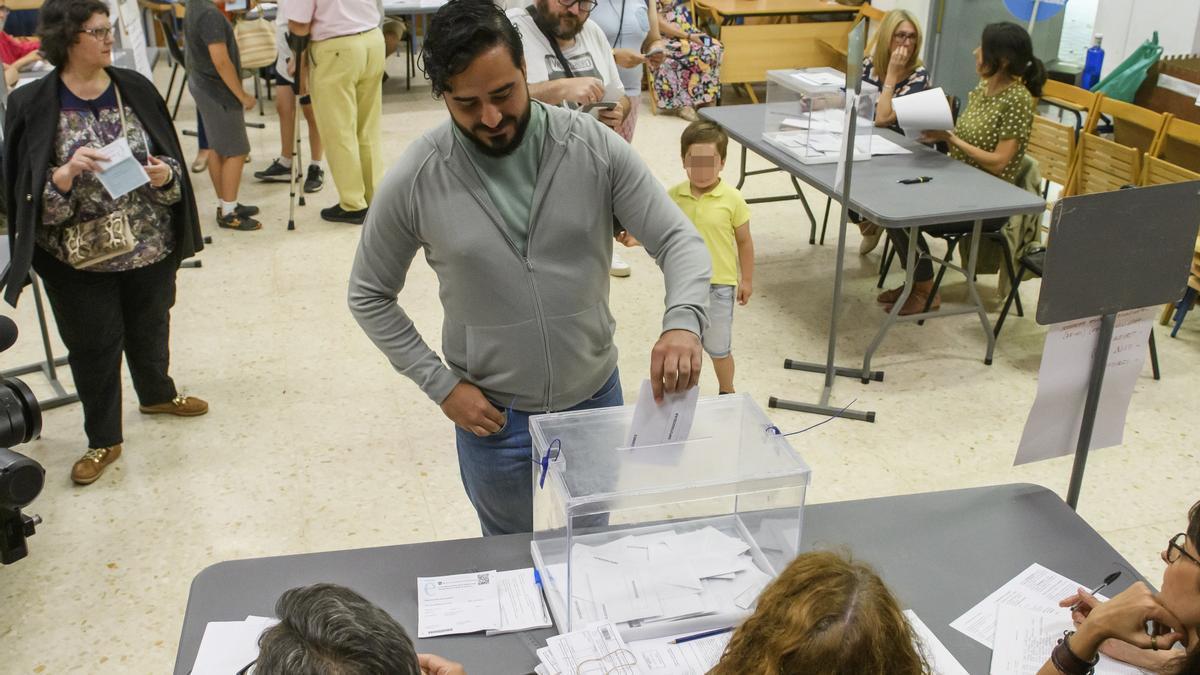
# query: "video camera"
(21, 478)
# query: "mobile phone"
(599, 105)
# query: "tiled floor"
(314, 443)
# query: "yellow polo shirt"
(717, 214)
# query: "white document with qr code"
(496, 602)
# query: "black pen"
(914, 181)
(1107, 580)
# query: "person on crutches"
(298, 44)
(282, 168)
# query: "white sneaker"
(619, 268)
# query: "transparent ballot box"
(806, 114)
(663, 539)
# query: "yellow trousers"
(346, 87)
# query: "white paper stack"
(663, 576)
(495, 602)
(1021, 622)
(599, 648)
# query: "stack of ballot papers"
(819, 79)
(662, 576)
(228, 646)
(492, 602)
(1021, 622)
(599, 648)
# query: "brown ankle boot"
(916, 300)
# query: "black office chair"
(167, 19)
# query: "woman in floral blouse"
(56, 128)
(894, 66)
(690, 77)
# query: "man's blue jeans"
(497, 470)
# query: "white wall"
(1125, 24)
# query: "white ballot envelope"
(668, 422)
(121, 173)
(923, 110)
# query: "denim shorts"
(718, 338)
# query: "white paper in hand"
(668, 422)
(923, 110)
(121, 173)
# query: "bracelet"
(1067, 661)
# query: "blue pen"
(700, 636)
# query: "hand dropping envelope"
(668, 422)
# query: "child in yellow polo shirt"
(723, 219)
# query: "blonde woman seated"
(894, 66)
(1118, 627)
(825, 615)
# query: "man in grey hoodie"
(513, 202)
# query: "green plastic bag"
(1123, 82)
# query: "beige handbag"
(256, 43)
(99, 239)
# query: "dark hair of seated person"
(825, 615)
(1007, 48)
(460, 31)
(326, 629)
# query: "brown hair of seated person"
(825, 615)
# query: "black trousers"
(99, 316)
(924, 270)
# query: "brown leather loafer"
(93, 463)
(183, 406)
(889, 297)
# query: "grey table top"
(957, 192)
(941, 552)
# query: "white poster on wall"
(127, 26)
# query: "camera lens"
(21, 479)
(20, 414)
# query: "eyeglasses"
(904, 37)
(100, 34)
(1175, 549)
(583, 5)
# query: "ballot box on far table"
(806, 114)
(668, 538)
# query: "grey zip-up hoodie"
(533, 331)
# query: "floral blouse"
(97, 123)
(917, 81)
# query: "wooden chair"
(1157, 171)
(1179, 143)
(1053, 146)
(1131, 125)
(1079, 102)
(1103, 165)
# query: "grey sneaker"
(315, 179)
(276, 173)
